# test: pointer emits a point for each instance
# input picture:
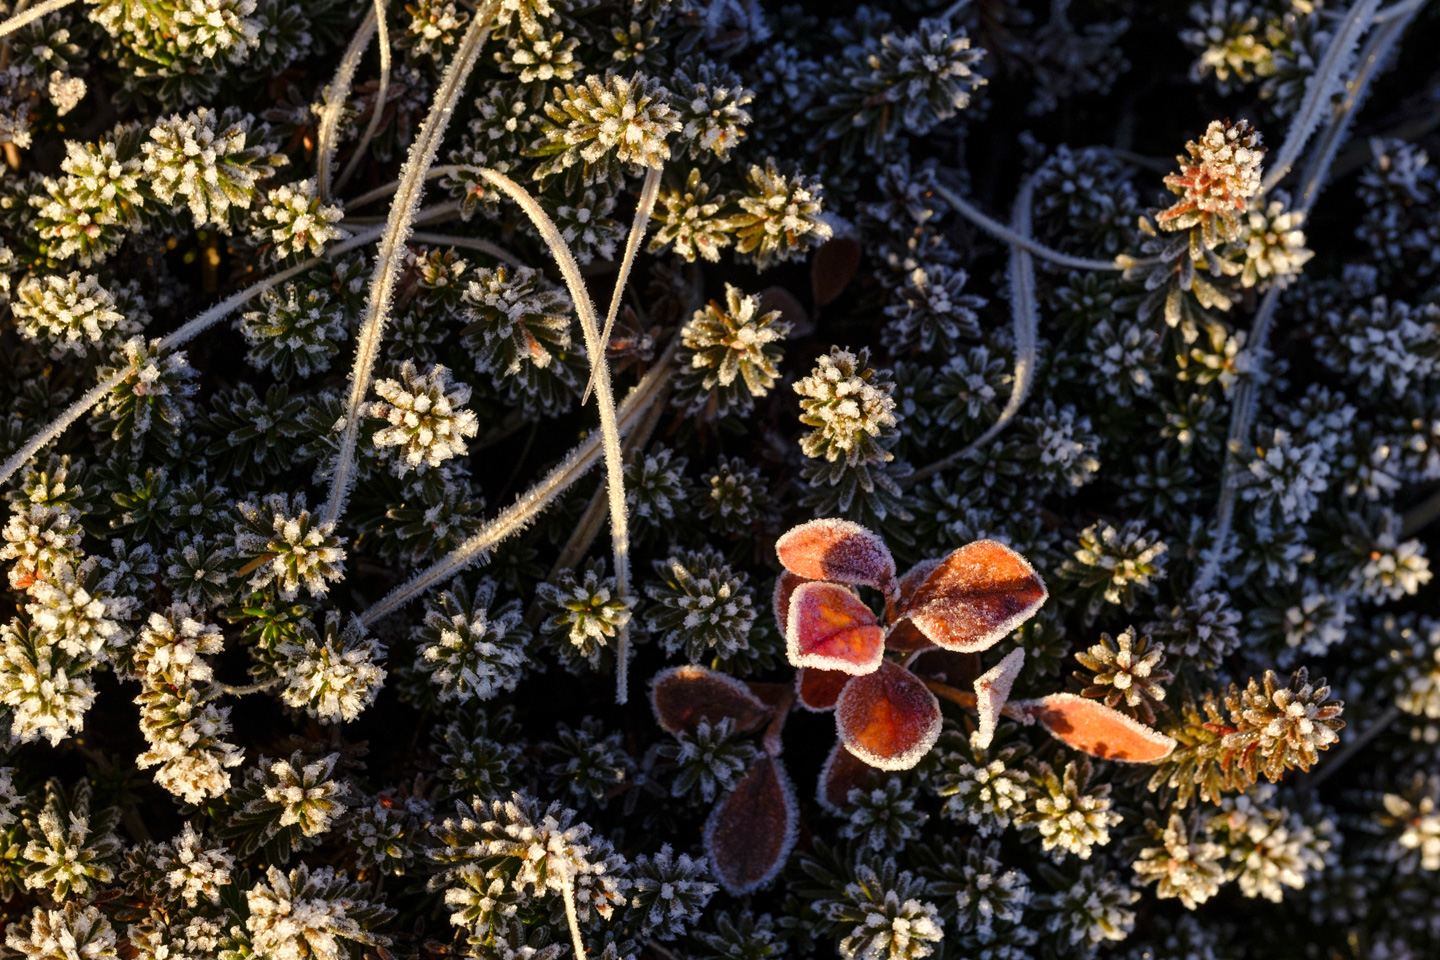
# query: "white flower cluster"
(424, 416)
(1269, 847)
(209, 160)
(331, 674)
(185, 729)
(293, 221)
(73, 313)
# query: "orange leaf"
(889, 719)
(1096, 729)
(975, 597)
(817, 690)
(751, 832)
(837, 550)
(830, 629)
(683, 696)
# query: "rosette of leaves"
(702, 607)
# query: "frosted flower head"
(289, 547)
(424, 416)
(74, 313)
(331, 674)
(1216, 182)
(849, 406)
(293, 221)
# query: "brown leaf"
(1096, 729)
(975, 597)
(751, 832)
(841, 773)
(833, 268)
(785, 585)
(683, 696)
(888, 718)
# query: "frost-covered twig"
(379, 109)
(1372, 58)
(530, 504)
(32, 14)
(328, 135)
(1329, 74)
(632, 247)
(388, 257)
(604, 401)
(1015, 239)
(1024, 308)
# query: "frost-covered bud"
(849, 405)
(73, 847)
(738, 498)
(780, 216)
(1124, 357)
(539, 56)
(74, 313)
(932, 312)
(285, 545)
(1275, 251)
(296, 331)
(884, 819)
(1202, 627)
(1215, 183)
(704, 608)
(1066, 817)
(584, 610)
(708, 760)
(72, 611)
(670, 892)
(1269, 847)
(47, 690)
(710, 104)
(333, 676)
(43, 533)
(987, 893)
(152, 399)
(311, 915)
(606, 119)
(656, 489)
(1230, 38)
(729, 356)
(882, 916)
(434, 26)
(1393, 569)
(690, 219)
(294, 221)
(987, 795)
(424, 417)
(1288, 474)
(194, 867)
(587, 763)
(1185, 864)
(210, 162)
(1092, 911)
(1063, 444)
(74, 932)
(1116, 563)
(1388, 346)
(470, 650)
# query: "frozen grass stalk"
(389, 257)
(380, 94)
(32, 14)
(337, 94)
(604, 400)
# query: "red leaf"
(992, 689)
(830, 629)
(837, 550)
(683, 696)
(817, 690)
(976, 596)
(751, 832)
(841, 773)
(785, 585)
(833, 268)
(889, 719)
(1094, 728)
